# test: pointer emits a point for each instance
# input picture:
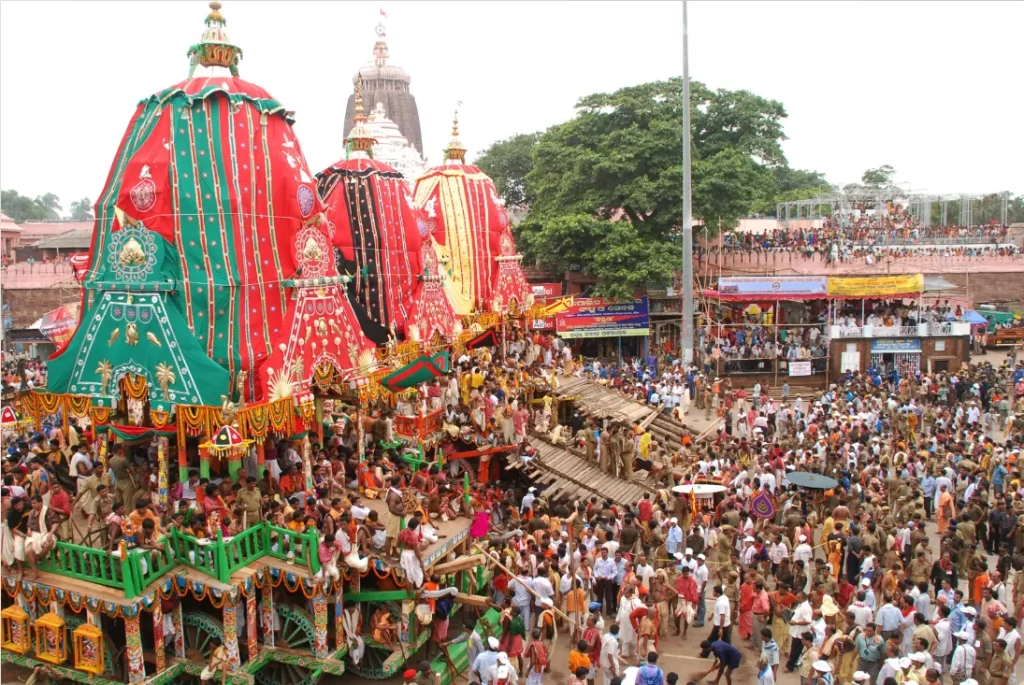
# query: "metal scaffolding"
(846, 199)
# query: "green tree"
(606, 186)
(51, 203)
(508, 162)
(880, 176)
(21, 208)
(81, 210)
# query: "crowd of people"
(904, 569)
(871, 237)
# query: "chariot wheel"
(278, 673)
(200, 628)
(379, 661)
(373, 665)
(297, 628)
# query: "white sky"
(926, 87)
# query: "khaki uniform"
(125, 486)
(1000, 669)
(250, 499)
(626, 457)
(610, 449)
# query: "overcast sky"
(926, 87)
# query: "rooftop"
(75, 239)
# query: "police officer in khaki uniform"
(250, 497)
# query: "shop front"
(606, 328)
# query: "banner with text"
(546, 291)
(781, 287)
(597, 317)
(875, 286)
(800, 368)
(881, 345)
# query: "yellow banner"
(874, 286)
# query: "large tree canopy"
(507, 162)
(605, 189)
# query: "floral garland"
(100, 415)
(253, 421)
(193, 419)
(281, 416)
(159, 418)
(135, 386)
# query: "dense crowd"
(847, 240)
(903, 569)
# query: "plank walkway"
(565, 473)
(602, 402)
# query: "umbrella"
(702, 490)
(8, 418)
(228, 441)
(814, 481)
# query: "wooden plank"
(460, 564)
(473, 600)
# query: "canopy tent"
(974, 318)
(938, 284)
(420, 370)
(485, 339)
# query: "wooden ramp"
(602, 402)
(566, 473)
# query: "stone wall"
(29, 304)
(986, 287)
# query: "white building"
(392, 147)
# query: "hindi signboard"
(800, 368)
(597, 317)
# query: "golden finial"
(360, 137)
(215, 14)
(359, 117)
(456, 151)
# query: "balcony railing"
(138, 568)
(918, 331)
(419, 425)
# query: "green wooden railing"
(90, 564)
(303, 546)
(218, 559)
(148, 567)
(240, 550)
(190, 552)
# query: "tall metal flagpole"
(687, 342)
